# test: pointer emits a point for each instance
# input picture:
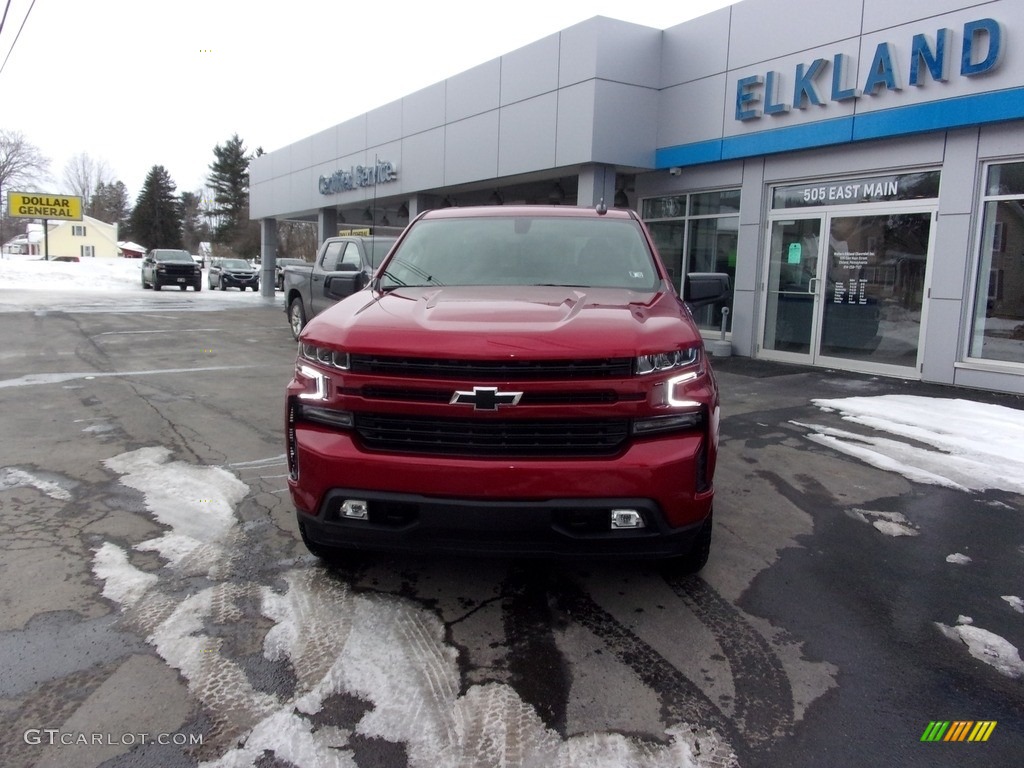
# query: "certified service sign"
(35, 205)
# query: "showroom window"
(697, 232)
(997, 330)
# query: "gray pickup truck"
(343, 266)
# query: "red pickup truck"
(514, 380)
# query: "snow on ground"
(32, 273)
(889, 523)
(11, 477)
(966, 445)
(959, 444)
(116, 276)
(383, 649)
(1015, 602)
(986, 646)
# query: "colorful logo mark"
(958, 730)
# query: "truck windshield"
(523, 250)
(168, 255)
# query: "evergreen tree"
(156, 220)
(193, 229)
(229, 180)
(109, 203)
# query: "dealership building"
(855, 166)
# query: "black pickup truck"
(343, 265)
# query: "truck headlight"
(666, 361)
(330, 357)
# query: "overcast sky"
(138, 83)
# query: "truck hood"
(474, 322)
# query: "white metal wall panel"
(527, 135)
(530, 71)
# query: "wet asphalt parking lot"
(158, 608)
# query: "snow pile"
(11, 477)
(32, 273)
(889, 523)
(973, 446)
(986, 646)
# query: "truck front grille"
(504, 370)
(179, 270)
(492, 437)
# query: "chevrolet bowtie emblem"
(485, 398)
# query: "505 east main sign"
(981, 51)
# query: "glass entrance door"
(792, 295)
(855, 300)
(874, 288)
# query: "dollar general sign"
(29, 205)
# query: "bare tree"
(83, 174)
(21, 162)
(22, 166)
(297, 240)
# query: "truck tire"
(156, 284)
(296, 317)
(324, 553)
(697, 557)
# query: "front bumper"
(172, 279)
(238, 281)
(523, 507)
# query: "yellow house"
(88, 238)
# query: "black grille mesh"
(492, 369)
(492, 437)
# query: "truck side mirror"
(340, 286)
(703, 288)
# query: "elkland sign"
(381, 172)
(981, 51)
(38, 206)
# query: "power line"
(17, 35)
(6, 9)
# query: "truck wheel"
(156, 284)
(296, 317)
(697, 557)
(183, 287)
(324, 553)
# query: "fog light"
(626, 518)
(355, 509)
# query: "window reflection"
(997, 331)
(697, 233)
